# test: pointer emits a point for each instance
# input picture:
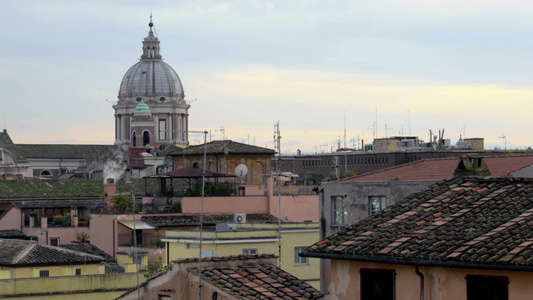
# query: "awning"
(138, 224)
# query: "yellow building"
(29, 270)
(226, 239)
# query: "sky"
(319, 68)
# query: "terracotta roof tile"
(268, 281)
(493, 228)
(22, 253)
(436, 169)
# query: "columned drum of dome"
(154, 83)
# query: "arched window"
(46, 173)
(134, 139)
(146, 138)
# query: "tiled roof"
(194, 220)
(219, 147)
(16, 153)
(111, 265)
(66, 188)
(442, 168)
(469, 222)
(249, 280)
(188, 173)
(61, 203)
(20, 253)
(64, 150)
(11, 234)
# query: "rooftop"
(194, 220)
(219, 147)
(442, 168)
(26, 253)
(50, 189)
(459, 222)
(254, 280)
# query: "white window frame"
(300, 260)
(249, 251)
(381, 201)
(339, 208)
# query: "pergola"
(167, 180)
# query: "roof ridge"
(400, 166)
(23, 254)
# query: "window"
(487, 287)
(249, 251)
(139, 261)
(46, 173)
(78, 272)
(44, 273)
(207, 253)
(377, 284)
(134, 139)
(299, 260)
(377, 203)
(146, 138)
(54, 242)
(162, 129)
(340, 210)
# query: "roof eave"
(419, 262)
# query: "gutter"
(419, 262)
(421, 282)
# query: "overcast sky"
(462, 66)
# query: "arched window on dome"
(146, 138)
(134, 139)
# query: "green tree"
(123, 203)
(156, 268)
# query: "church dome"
(142, 109)
(151, 80)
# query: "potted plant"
(58, 219)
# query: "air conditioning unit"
(239, 218)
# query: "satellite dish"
(241, 171)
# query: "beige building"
(81, 271)
(224, 157)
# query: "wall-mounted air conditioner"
(239, 218)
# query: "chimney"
(110, 188)
(471, 165)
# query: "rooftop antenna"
(376, 122)
(277, 138)
(409, 121)
(344, 129)
(504, 139)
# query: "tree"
(156, 268)
(123, 203)
(82, 237)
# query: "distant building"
(151, 111)
(224, 157)
(51, 161)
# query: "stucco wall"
(225, 205)
(103, 233)
(440, 283)
(358, 193)
(11, 219)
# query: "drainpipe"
(421, 282)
